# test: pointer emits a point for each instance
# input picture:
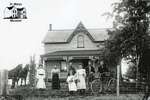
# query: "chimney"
(50, 27)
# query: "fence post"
(118, 78)
(3, 82)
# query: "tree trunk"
(3, 82)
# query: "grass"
(127, 93)
(35, 94)
(103, 97)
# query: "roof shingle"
(57, 36)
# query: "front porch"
(62, 58)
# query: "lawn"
(28, 93)
(102, 97)
(48, 94)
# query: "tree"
(131, 72)
(32, 72)
(129, 37)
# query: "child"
(71, 83)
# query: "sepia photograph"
(74, 50)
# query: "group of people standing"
(76, 78)
(40, 76)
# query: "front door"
(76, 63)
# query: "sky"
(20, 40)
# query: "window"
(63, 66)
(80, 41)
(14, 11)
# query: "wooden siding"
(88, 45)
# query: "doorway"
(76, 62)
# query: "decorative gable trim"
(80, 28)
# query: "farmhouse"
(13, 12)
(77, 45)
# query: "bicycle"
(103, 84)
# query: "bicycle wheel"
(112, 85)
(96, 86)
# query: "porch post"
(67, 63)
(43, 63)
(66, 58)
(45, 68)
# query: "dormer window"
(80, 41)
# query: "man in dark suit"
(90, 70)
(71, 68)
(102, 68)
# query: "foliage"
(128, 38)
(32, 72)
(131, 72)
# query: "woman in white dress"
(80, 76)
(40, 77)
(71, 83)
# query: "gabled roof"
(20, 9)
(65, 36)
(80, 28)
(11, 7)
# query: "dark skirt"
(55, 81)
(91, 77)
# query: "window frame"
(79, 41)
(61, 66)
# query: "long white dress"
(71, 83)
(40, 77)
(80, 76)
